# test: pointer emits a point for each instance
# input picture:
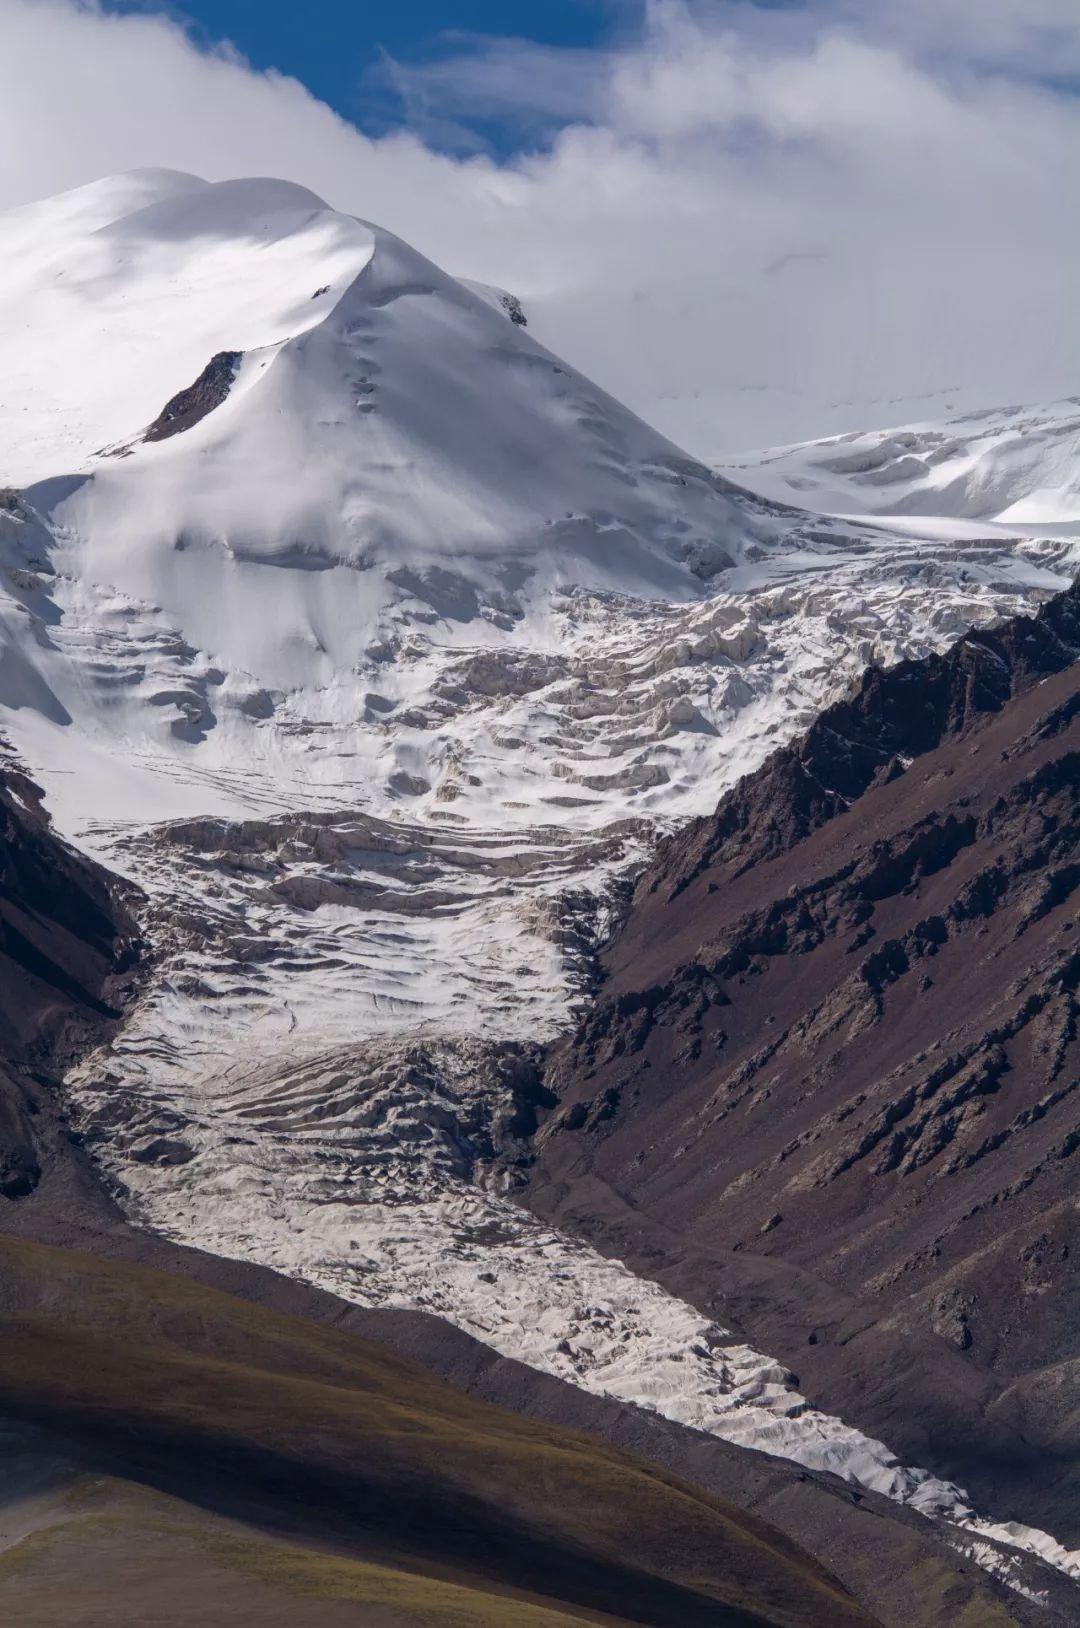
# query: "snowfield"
(378, 666)
(1015, 466)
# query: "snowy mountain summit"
(290, 438)
(375, 408)
(377, 644)
(291, 500)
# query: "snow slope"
(396, 466)
(1014, 465)
(378, 666)
(409, 556)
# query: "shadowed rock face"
(67, 947)
(831, 1089)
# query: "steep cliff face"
(68, 945)
(832, 1083)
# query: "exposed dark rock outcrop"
(188, 406)
(831, 1088)
(68, 947)
(513, 308)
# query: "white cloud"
(1040, 38)
(752, 225)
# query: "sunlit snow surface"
(380, 681)
(1015, 466)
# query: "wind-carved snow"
(1013, 465)
(380, 678)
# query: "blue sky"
(488, 77)
(485, 76)
(340, 48)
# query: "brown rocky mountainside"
(831, 1088)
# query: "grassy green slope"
(324, 1466)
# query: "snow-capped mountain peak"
(377, 403)
(116, 295)
(284, 445)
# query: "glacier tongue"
(333, 1070)
(379, 673)
(344, 1099)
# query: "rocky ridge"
(69, 948)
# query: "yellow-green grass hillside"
(367, 1473)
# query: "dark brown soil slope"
(831, 1089)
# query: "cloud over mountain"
(831, 216)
